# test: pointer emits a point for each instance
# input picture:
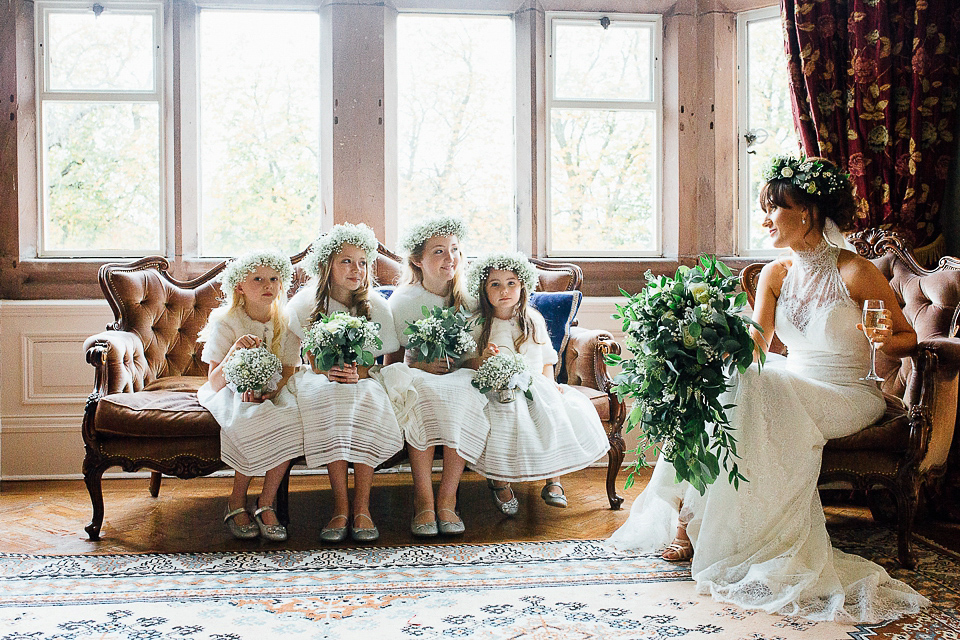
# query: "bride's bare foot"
(681, 549)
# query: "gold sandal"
(682, 551)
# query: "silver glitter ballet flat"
(451, 528)
(424, 529)
(360, 534)
(509, 507)
(335, 534)
(272, 532)
(247, 531)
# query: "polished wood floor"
(48, 517)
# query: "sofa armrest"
(584, 357)
(119, 360)
(931, 396)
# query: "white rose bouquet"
(340, 338)
(441, 334)
(502, 372)
(687, 336)
(255, 370)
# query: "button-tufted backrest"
(165, 313)
(930, 298)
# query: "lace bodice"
(812, 284)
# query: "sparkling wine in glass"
(871, 321)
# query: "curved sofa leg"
(906, 512)
(614, 460)
(155, 478)
(92, 477)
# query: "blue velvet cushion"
(558, 308)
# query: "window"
(100, 116)
(604, 121)
(455, 134)
(766, 118)
(259, 97)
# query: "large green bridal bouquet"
(687, 336)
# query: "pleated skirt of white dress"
(438, 409)
(352, 422)
(255, 437)
(553, 434)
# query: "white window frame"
(743, 121)
(156, 95)
(655, 104)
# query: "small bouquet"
(339, 339)
(687, 336)
(441, 333)
(504, 373)
(255, 370)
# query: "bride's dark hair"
(839, 206)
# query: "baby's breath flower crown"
(359, 235)
(237, 269)
(810, 176)
(505, 261)
(419, 233)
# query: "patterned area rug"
(537, 591)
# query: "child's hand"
(882, 332)
(248, 341)
(249, 397)
(436, 367)
(347, 374)
(491, 350)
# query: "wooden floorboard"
(47, 517)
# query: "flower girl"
(257, 435)
(347, 416)
(434, 409)
(556, 430)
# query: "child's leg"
(362, 481)
(337, 474)
(238, 497)
(453, 466)
(421, 466)
(268, 494)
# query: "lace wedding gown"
(765, 546)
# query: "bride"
(765, 546)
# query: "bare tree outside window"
(455, 124)
(604, 149)
(259, 130)
(100, 132)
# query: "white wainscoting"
(45, 380)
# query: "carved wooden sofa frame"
(143, 412)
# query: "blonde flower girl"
(258, 436)
(347, 416)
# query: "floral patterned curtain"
(875, 86)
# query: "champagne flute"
(873, 317)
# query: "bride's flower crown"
(512, 261)
(359, 235)
(811, 176)
(237, 269)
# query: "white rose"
(786, 172)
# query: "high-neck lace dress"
(765, 546)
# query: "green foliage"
(687, 336)
(339, 339)
(442, 333)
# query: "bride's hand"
(882, 332)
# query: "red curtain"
(875, 86)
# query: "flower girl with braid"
(435, 403)
(556, 432)
(257, 436)
(347, 416)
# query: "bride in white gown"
(765, 546)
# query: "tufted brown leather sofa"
(143, 412)
(906, 450)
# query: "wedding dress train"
(765, 546)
